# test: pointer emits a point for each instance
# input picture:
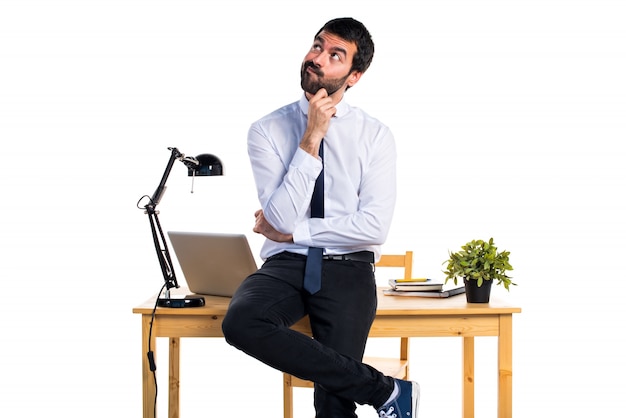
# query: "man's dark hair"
(352, 30)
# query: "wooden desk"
(395, 317)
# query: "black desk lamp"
(202, 165)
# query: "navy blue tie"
(313, 270)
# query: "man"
(358, 163)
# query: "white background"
(509, 118)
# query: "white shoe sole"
(415, 395)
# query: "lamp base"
(188, 301)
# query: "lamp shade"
(208, 165)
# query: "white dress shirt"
(359, 177)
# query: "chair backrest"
(398, 260)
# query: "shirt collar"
(342, 107)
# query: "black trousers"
(341, 314)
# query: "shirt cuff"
(307, 163)
(302, 234)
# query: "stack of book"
(420, 287)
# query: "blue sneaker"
(405, 405)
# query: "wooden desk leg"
(174, 389)
(148, 385)
(468, 377)
(505, 367)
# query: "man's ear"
(354, 78)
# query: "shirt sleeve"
(284, 176)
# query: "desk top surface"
(387, 305)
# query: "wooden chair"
(395, 367)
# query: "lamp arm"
(158, 193)
(163, 253)
(160, 244)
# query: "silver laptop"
(213, 263)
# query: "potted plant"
(479, 264)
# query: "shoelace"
(387, 414)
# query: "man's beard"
(311, 86)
